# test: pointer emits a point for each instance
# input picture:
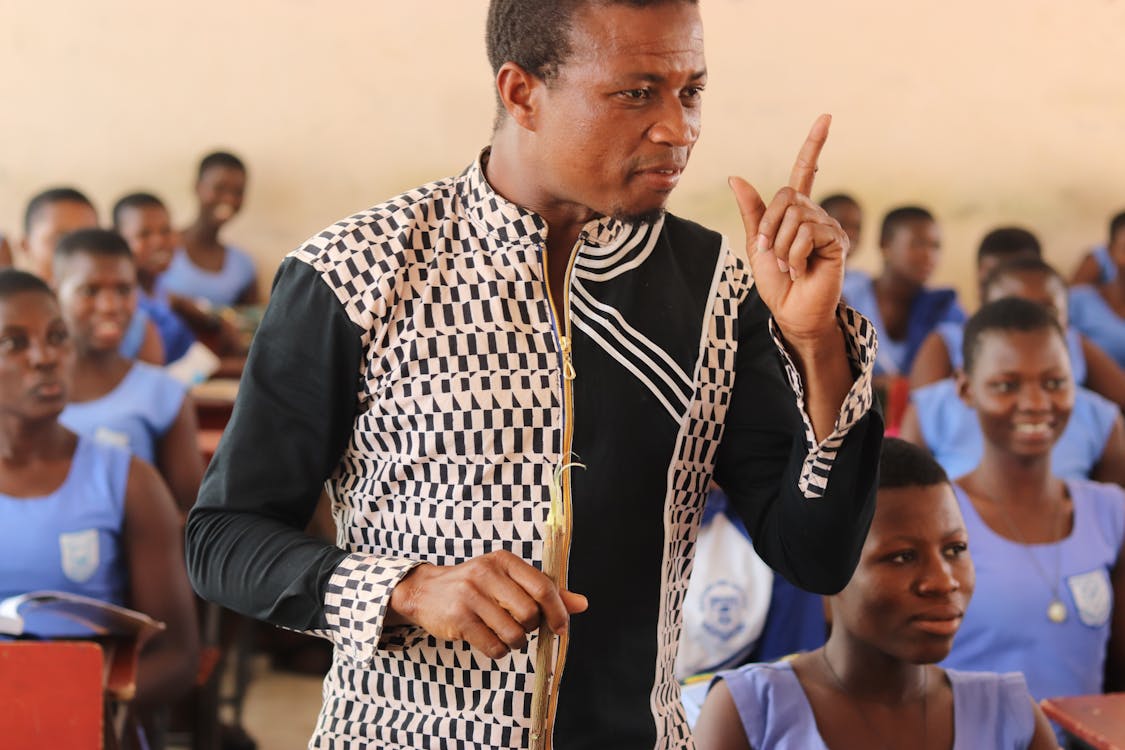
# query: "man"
(437, 357)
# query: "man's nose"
(678, 125)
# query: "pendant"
(1056, 611)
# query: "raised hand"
(796, 250)
(492, 601)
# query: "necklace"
(863, 714)
(1056, 610)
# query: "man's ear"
(519, 94)
(963, 388)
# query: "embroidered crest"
(1092, 597)
(79, 554)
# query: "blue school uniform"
(989, 710)
(134, 415)
(951, 430)
(1006, 627)
(930, 308)
(1093, 316)
(134, 337)
(953, 335)
(1107, 269)
(174, 333)
(69, 540)
(222, 288)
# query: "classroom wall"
(988, 111)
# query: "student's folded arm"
(806, 505)
(246, 545)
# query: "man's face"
(616, 126)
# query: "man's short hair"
(1116, 224)
(535, 34)
(1008, 314)
(132, 201)
(49, 197)
(903, 464)
(898, 217)
(220, 159)
(1009, 242)
(102, 243)
(14, 281)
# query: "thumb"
(750, 206)
(573, 602)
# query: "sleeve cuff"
(862, 344)
(356, 602)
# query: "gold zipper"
(568, 375)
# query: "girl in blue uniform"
(77, 515)
(1049, 551)
(875, 683)
(115, 399)
(1098, 311)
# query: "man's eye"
(636, 94)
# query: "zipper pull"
(568, 362)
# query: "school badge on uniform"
(1092, 597)
(79, 554)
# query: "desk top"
(1097, 720)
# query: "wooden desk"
(214, 401)
(208, 443)
(51, 694)
(1097, 720)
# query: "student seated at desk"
(898, 303)
(206, 268)
(1049, 551)
(876, 683)
(77, 515)
(59, 211)
(1098, 311)
(114, 399)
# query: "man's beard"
(650, 216)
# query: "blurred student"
(1048, 550)
(1098, 311)
(59, 211)
(78, 515)
(5, 252)
(1092, 443)
(114, 399)
(143, 221)
(875, 683)
(897, 302)
(205, 268)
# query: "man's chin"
(647, 216)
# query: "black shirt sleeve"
(246, 548)
(814, 542)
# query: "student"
(206, 268)
(1097, 267)
(58, 211)
(77, 515)
(5, 252)
(940, 352)
(902, 309)
(115, 399)
(847, 213)
(1049, 551)
(143, 221)
(876, 683)
(1099, 311)
(1093, 442)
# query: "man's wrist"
(403, 604)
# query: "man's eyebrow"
(657, 78)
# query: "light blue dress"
(69, 540)
(953, 334)
(1107, 269)
(951, 430)
(1006, 627)
(930, 308)
(222, 288)
(989, 710)
(135, 415)
(1093, 316)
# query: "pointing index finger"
(804, 170)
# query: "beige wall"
(988, 111)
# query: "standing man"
(435, 358)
